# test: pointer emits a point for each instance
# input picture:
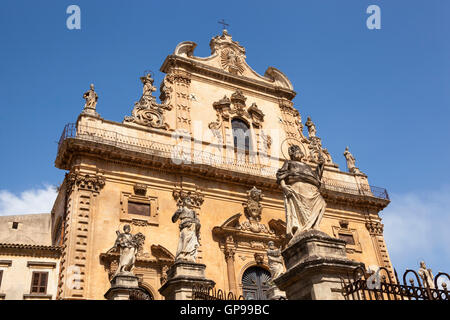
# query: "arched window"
(241, 134)
(255, 283)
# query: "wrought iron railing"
(200, 292)
(252, 164)
(382, 286)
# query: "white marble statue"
(426, 275)
(303, 202)
(128, 245)
(275, 260)
(189, 231)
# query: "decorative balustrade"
(252, 164)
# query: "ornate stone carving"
(87, 182)
(232, 55)
(229, 253)
(426, 275)
(140, 189)
(252, 210)
(375, 228)
(164, 270)
(147, 111)
(189, 230)
(350, 162)
(129, 245)
(317, 152)
(231, 61)
(300, 184)
(275, 260)
(196, 197)
(91, 98)
(259, 258)
(228, 107)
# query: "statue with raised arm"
(426, 275)
(128, 245)
(311, 127)
(303, 202)
(91, 98)
(189, 231)
(275, 260)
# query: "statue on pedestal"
(189, 231)
(275, 260)
(91, 98)
(129, 245)
(303, 202)
(426, 275)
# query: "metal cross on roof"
(223, 23)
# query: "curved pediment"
(229, 56)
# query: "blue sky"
(385, 93)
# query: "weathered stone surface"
(181, 278)
(315, 263)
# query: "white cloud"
(416, 228)
(29, 201)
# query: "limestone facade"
(131, 172)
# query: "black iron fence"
(381, 286)
(200, 292)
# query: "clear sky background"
(385, 93)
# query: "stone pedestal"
(275, 294)
(122, 287)
(315, 263)
(181, 278)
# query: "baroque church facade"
(218, 135)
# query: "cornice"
(18, 249)
(218, 74)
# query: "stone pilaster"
(315, 263)
(82, 191)
(375, 229)
(229, 258)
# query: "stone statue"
(91, 98)
(350, 162)
(275, 260)
(189, 231)
(148, 88)
(426, 275)
(129, 245)
(303, 202)
(311, 127)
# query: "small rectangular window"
(1, 276)
(15, 225)
(347, 238)
(39, 282)
(139, 208)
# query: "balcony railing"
(245, 163)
